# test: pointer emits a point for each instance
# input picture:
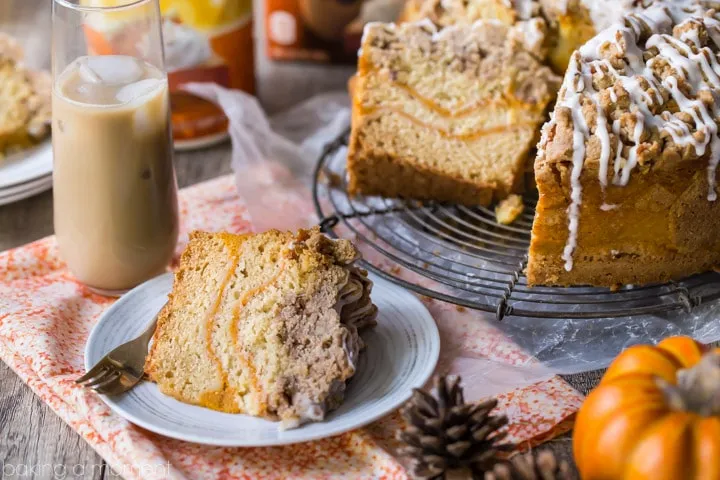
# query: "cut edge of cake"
(449, 115)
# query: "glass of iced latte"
(115, 193)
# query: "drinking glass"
(115, 193)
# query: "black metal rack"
(463, 256)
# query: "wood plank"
(34, 442)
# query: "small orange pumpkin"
(654, 416)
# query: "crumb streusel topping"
(444, 13)
(646, 90)
(482, 50)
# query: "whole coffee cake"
(627, 167)
(263, 324)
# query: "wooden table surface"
(31, 435)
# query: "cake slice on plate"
(448, 116)
(264, 324)
(627, 167)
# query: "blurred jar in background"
(309, 47)
(205, 41)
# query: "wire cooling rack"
(463, 256)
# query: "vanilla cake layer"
(448, 116)
(265, 325)
(424, 163)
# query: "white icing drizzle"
(604, 136)
(713, 27)
(530, 33)
(698, 67)
(632, 159)
(575, 82)
(525, 8)
(604, 14)
(691, 36)
(702, 71)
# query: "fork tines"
(101, 376)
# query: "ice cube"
(112, 69)
(131, 92)
(87, 74)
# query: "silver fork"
(122, 368)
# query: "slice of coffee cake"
(449, 115)
(264, 324)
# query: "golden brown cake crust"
(448, 116)
(643, 208)
(387, 176)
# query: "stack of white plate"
(26, 173)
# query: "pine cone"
(528, 466)
(445, 433)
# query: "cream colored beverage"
(115, 193)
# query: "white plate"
(22, 187)
(15, 194)
(402, 352)
(26, 165)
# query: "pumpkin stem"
(698, 387)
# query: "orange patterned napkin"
(46, 317)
